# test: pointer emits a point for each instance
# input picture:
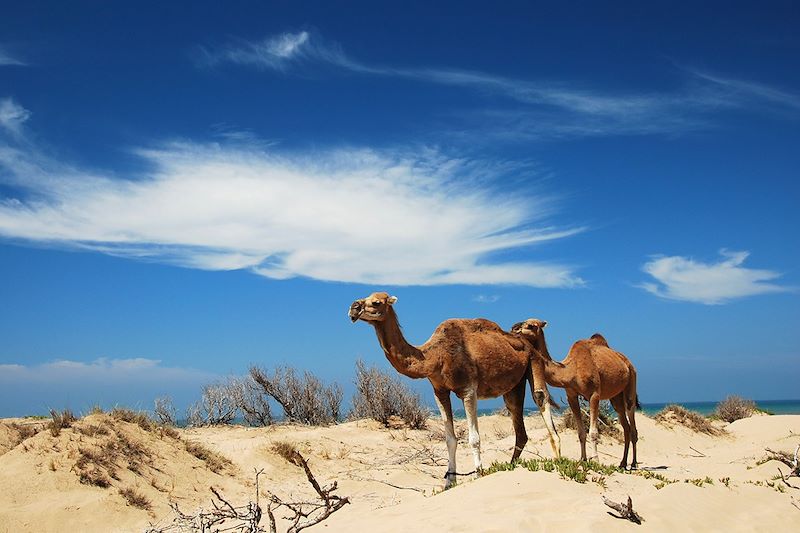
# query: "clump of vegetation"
(382, 397)
(135, 498)
(695, 421)
(215, 462)
(304, 399)
(287, 450)
(663, 481)
(577, 471)
(217, 405)
(22, 432)
(606, 418)
(140, 418)
(735, 408)
(164, 411)
(60, 420)
(700, 481)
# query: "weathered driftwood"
(625, 510)
(786, 459)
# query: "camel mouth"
(356, 310)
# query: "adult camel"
(471, 358)
(596, 372)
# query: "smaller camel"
(596, 372)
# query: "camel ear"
(544, 324)
(391, 300)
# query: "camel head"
(373, 308)
(533, 327)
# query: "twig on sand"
(390, 484)
(787, 459)
(625, 510)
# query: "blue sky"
(189, 189)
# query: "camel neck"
(556, 374)
(541, 344)
(405, 358)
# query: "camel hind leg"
(471, 409)
(515, 400)
(619, 402)
(594, 433)
(446, 409)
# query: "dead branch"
(786, 459)
(307, 514)
(247, 518)
(783, 478)
(625, 510)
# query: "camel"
(471, 358)
(596, 372)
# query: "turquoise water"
(778, 407)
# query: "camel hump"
(599, 339)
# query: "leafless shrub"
(92, 430)
(59, 421)
(734, 408)
(135, 498)
(250, 401)
(164, 411)
(606, 418)
(286, 450)
(303, 399)
(22, 432)
(213, 460)
(695, 421)
(381, 396)
(216, 406)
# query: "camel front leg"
(446, 409)
(541, 395)
(594, 433)
(471, 409)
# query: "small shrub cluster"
(215, 462)
(695, 421)
(304, 399)
(381, 396)
(735, 408)
(606, 418)
(577, 471)
(217, 405)
(60, 420)
(135, 498)
(140, 418)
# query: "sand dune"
(394, 477)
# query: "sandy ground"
(393, 477)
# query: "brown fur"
(474, 358)
(596, 372)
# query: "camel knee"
(538, 397)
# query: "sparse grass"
(695, 421)
(663, 481)
(700, 481)
(59, 421)
(92, 430)
(135, 498)
(577, 471)
(214, 461)
(287, 450)
(725, 481)
(735, 408)
(141, 418)
(23, 432)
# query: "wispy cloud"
(682, 278)
(7, 59)
(486, 298)
(539, 109)
(352, 215)
(12, 116)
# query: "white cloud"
(12, 116)
(681, 278)
(544, 109)
(103, 370)
(345, 215)
(486, 298)
(7, 59)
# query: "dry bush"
(251, 402)
(140, 418)
(606, 419)
(287, 450)
(164, 411)
(216, 406)
(213, 460)
(303, 399)
(92, 430)
(381, 396)
(695, 421)
(22, 432)
(60, 421)
(735, 408)
(135, 498)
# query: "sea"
(775, 407)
